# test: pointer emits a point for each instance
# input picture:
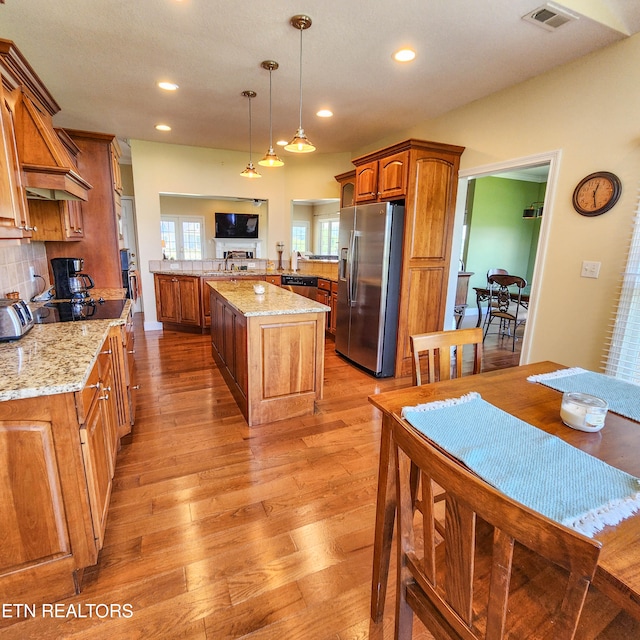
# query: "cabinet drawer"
(324, 284)
(334, 288)
(274, 280)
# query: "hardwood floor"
(217, 530)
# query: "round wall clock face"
(596, 193)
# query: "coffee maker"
(70, 283)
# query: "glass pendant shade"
(270, 158)
(250, 170)
(300, 143)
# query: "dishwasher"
(306, 286)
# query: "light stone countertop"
(53, 358)
(275, 301)
(247, 273)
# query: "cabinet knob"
(106, 353)
(136, 386)
(132, 351)
(26, 227)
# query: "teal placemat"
(622, 397)
(529, 465)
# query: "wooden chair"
(505, 304)
(436, 348)
(491, 302)
(460, 585)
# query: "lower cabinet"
(333, 303)
(328, 294)
(178, 299)
(59, 458)
(99, 440)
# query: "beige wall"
(586, 110)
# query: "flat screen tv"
(237, 225)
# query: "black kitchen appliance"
(69, 281)
(78, 309)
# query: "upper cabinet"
(35, 161)
(347, 188)
(381, 177)
(14, 214)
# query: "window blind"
(623, 358)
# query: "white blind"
(623, 359)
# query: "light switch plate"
(590, 269)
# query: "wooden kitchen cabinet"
(99, 441)
(323, 295)
(122, 345)
(14, 214)
(100, 240)
(60, 220)
(178, 300)
(347, 188)
(333, 303)
(277, 280)
(61, 451)
(381, 178)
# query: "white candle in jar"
(583, 411)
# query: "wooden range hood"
(49, 170)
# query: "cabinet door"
(94, 437)
(392, 176)
(34, 529)
(333, 303)
(56, 220)
(14, 214)
(167, 301)
(189, 295)
(323, 297)
(367, 182)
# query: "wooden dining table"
(617, 444)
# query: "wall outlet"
(590, 269)
(251, 265)
(32, 273)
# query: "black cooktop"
(87, 309)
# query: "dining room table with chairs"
(504, 427)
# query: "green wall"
(498, 235)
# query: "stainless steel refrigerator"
(370, 254)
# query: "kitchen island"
(269, 347)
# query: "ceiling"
(101, 62)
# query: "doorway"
(513, 244)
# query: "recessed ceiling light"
(404, 55)
(168, 86)
(324, 113)
(163, 127)
(282, 143)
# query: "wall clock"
(596, 193)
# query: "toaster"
(15, 319)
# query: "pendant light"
(250, 170)
(300, 142)
(270, 158)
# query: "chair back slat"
(435, 350)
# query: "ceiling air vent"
(549, 16)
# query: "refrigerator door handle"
(355, 257)
(350, 271)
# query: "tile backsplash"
(15, 261)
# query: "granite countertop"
(246, 273)
(274, 301)
(54, 358)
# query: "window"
(329, 230)
(300, 236)
(182, 237)
(623, 360)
